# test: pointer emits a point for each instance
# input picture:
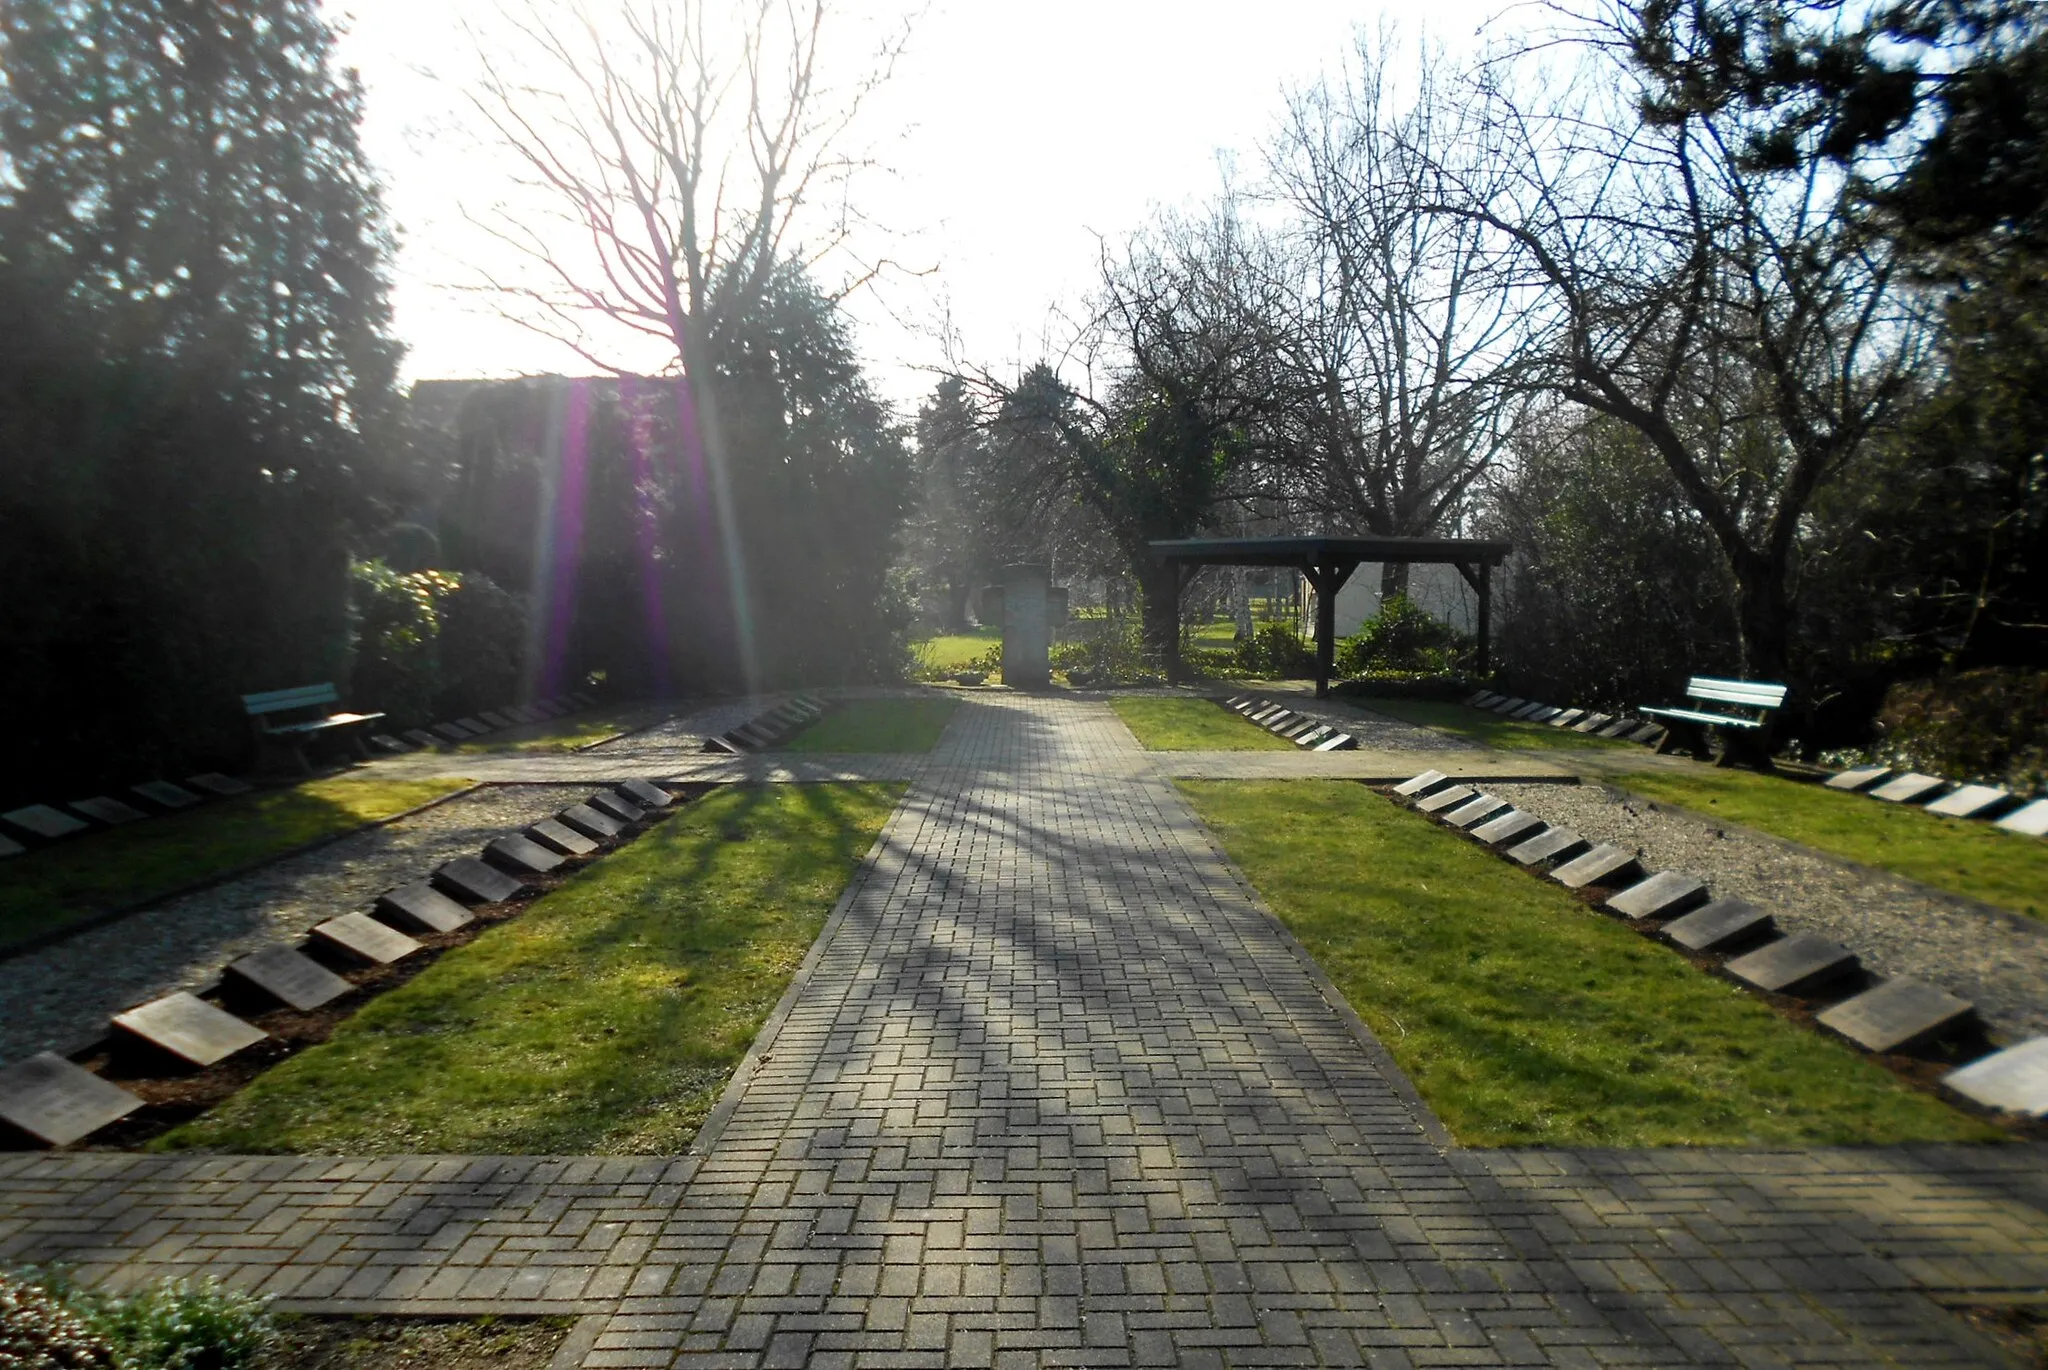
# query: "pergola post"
(1485, 618)
(1327, 581)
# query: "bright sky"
(1018, 135)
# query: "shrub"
(183, 1325)
(1402, 639)
(1108, 651)
(395, 630)
(38, 1332)
(483, 643)
(1276, 651)
(1989, 725)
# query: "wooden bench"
(1746, 735)
(293, 735)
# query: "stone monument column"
(1027, 628)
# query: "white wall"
(1437, 588)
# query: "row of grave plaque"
(52, 822)
(1303, 732)
(1892, 1015)
(777, 725)
(1578, 720)
(57, 1101)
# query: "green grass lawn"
(956, 651)
(1489, 730)
(1962, 856)
(1165, 724)
(605, 1020)
(45, 891)
(1526, 1018)
(877, 725)
(562, 735)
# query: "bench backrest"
(298, 697)
(1749, 694)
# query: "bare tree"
(1398, 344)
(1702, 281)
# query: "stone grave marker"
(452, 732)
(1473, 811)
(590, 822)
(2015, 1080)
(1525, 709)
(494, 718)
(1717, 925)
(1314, 735)
(1564, 718)
(471, 880)
(363, 936)
(646, 794)
(1421, 784)
(1592, 723)
(1476, 698)
(385, 742)
(57, 1101)
(553, 832)
(421, 737)
(1798, 964)
(1660, 896)
(1296, 728)
(752, 736)
(1544, 714)
(1507, 827)
(44, 821)
(1557, 844)
(582, 699)
(1337, 742)
(1234, 701)
(10, 847)
(1649, 732)
(1510, 704)
(291, 977)
(1969, 801)
(213, 782)
(1445, 798)
(476, 725)
(189, 1028)
(1606, 864)
(1618, 728)
(1897, 1014)
(2031, 821)
(108, 810)
(1857, 778)
(521, 855)
(548, 708)
(723, 745)
(163, 792)
(419, 907)
(619, 807)
(1908, 788)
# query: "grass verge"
(1488, 730)
(1526, 1018)
(956, 651)
(877, 725)
(1960, 855)
(605, 1020)
(1166, 724)
(48, 890)
(564, 735)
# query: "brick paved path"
(1056, 1090)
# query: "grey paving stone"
(364, 937)
(1801, 964)
(1896, 1014)
(419, 737)
(1565, 718)
(1857, 777)
(495, 719)
(1473, 811)
(108, 810)
(164, 793)
(1528, 710)
(470, 880)
(213, 782)
(2015, 1079)
(1311, 736)
(1544, 714)
(1968, 801)
(553, 832)
(453, 732)
(45, 821)
(477, 727)
(1605, 864)
(1649, 732)
(419, 907)
(1620, 727)
(619, 807)
(1510, 704)
(189, 1028)
(1338, 742)
(646, 794)
(1716, 925)
(2030, 820)
(1422, 783)
(58, 1102)
(520, 855)
(1508, 827)
(1439, 800)
(1659, 896)
(291, 977)
(1557, 844)
(1592, 723)
(1908, 788)
(591, 823)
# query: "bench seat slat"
(1695, 716)
(318, 724)
(299, 697)
(1755, 694)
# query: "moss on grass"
(605, 1020)
(48, 890)
(1488, 730)
(1960, 855)
(1169, 724)
(1527, 1019)
(877, 725)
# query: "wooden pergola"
(1328, 562)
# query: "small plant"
(1402, 640)
(1277, 651)
(49, 1323)
(39, 1332)
(1107, 651)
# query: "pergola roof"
(1322, 550)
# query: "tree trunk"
(1393, 580)
(958, 592)
(1158, 603)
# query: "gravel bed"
(1379, 733)
(60, 997)
(1996, 960)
